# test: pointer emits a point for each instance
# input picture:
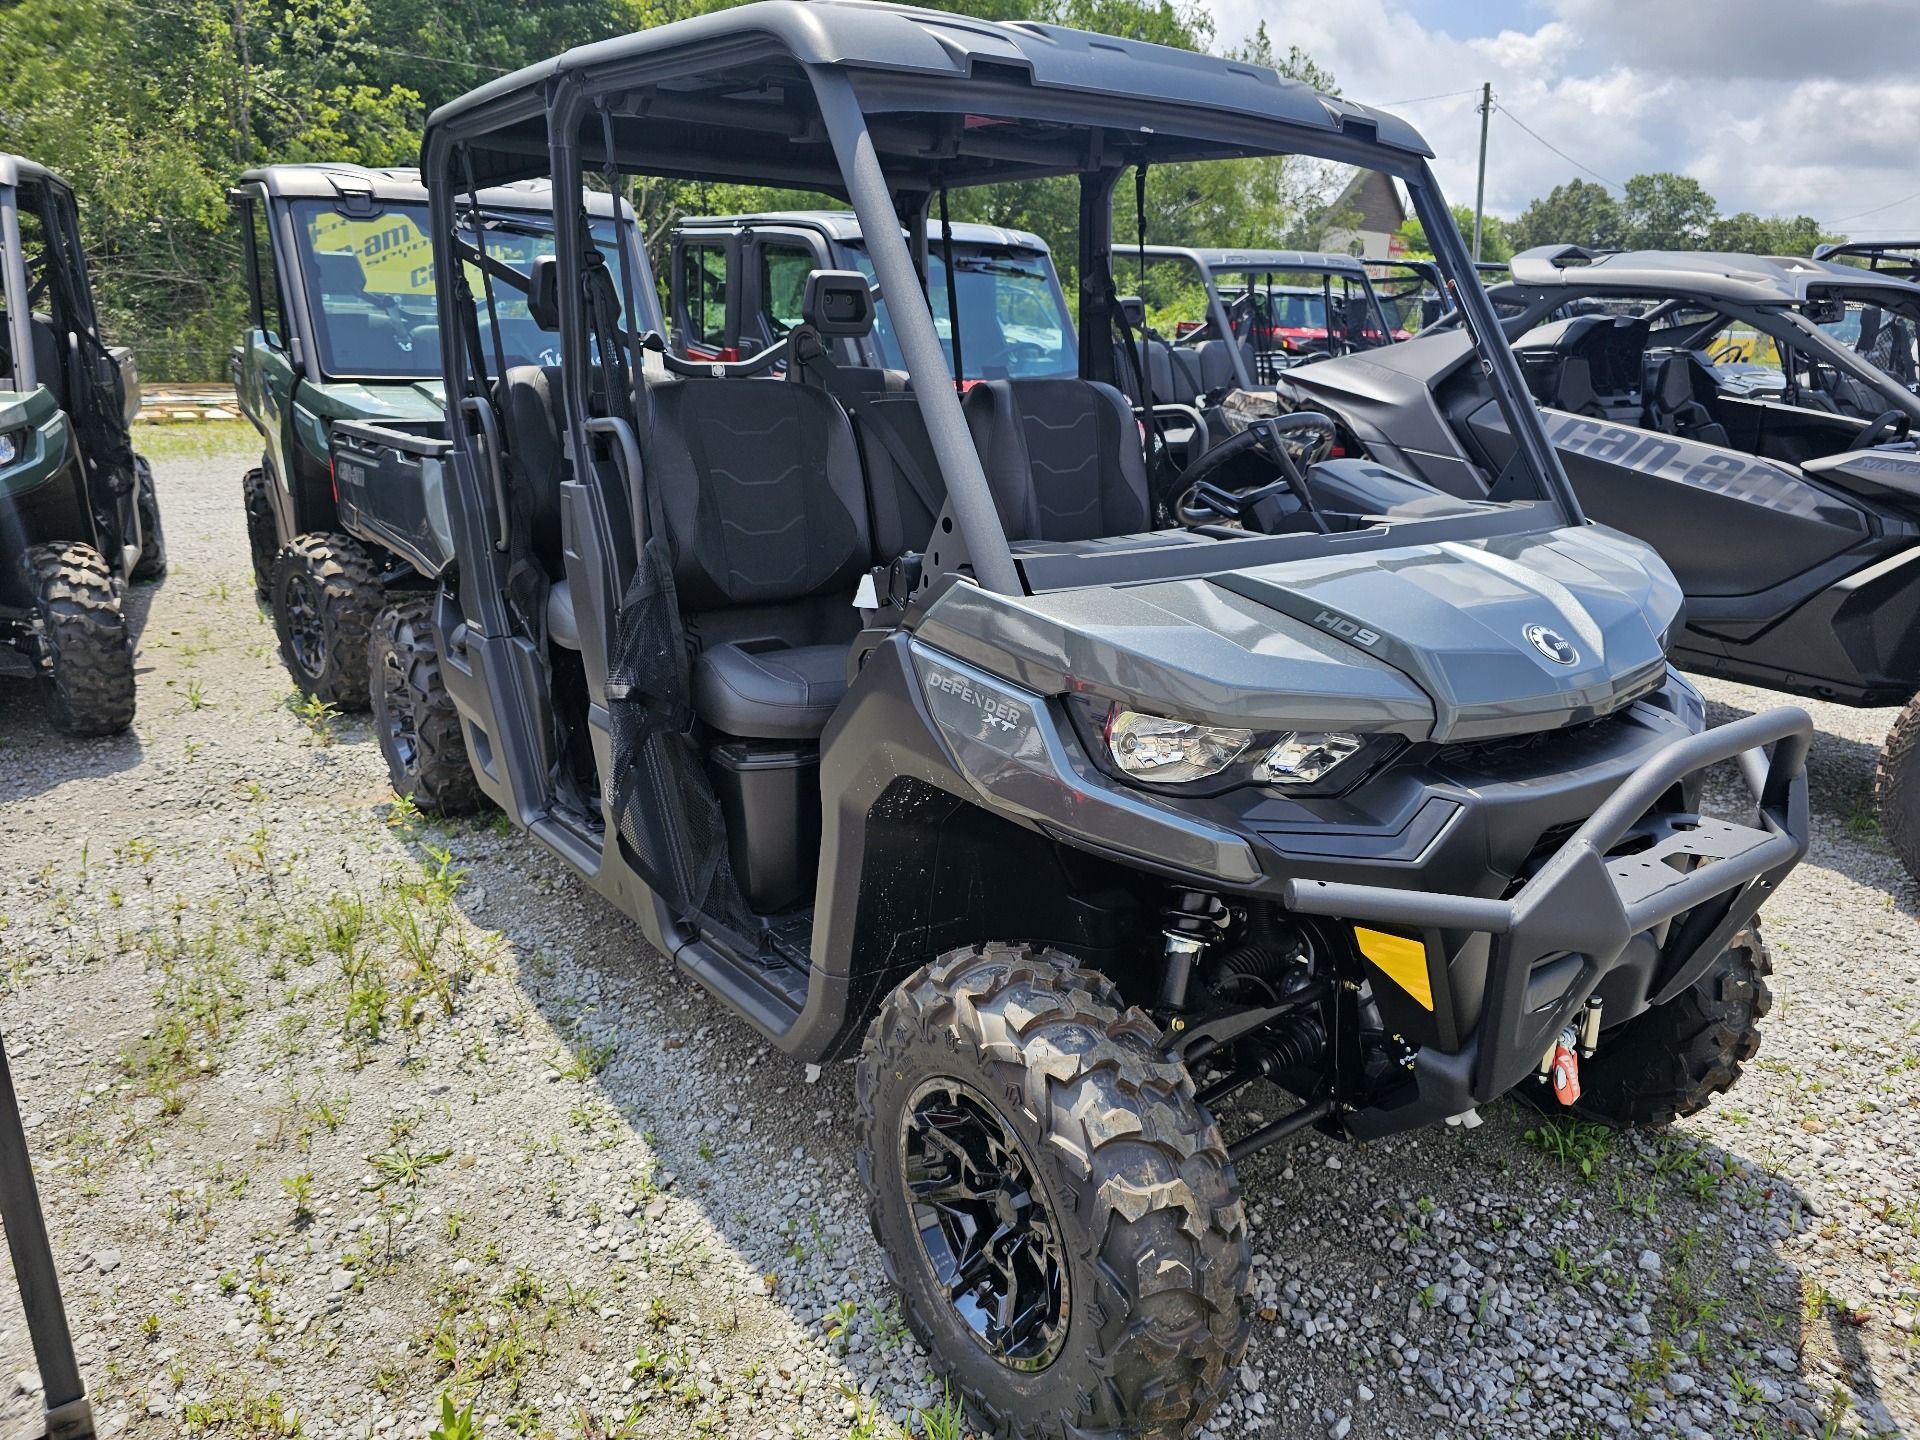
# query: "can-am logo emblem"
(1552, 644)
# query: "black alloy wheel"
(983, 1223)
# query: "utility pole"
(1480, 190)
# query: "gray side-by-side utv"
(1755, 419)
(79, 519)
(1067, 825)
(343, 327)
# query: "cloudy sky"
(1776, 106)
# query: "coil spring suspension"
(1191, 921)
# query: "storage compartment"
(770, 795)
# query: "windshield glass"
(370, 289)
(1013, 317)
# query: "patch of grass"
(1577, 1144)
(242, 1415)
(198, 440)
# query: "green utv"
(1113, 792)
(79, 519)
(343, 327)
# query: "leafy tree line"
(1661, 211)
(152, 108)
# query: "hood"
(356, 400)
(1447, 642)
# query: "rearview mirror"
(838, 303)
(543, 292)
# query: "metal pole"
(1480, 190)
(68, 1415)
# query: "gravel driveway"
(338, 1112)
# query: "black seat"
(49, 359)
(530, 400)
(901, 507)
(1671, 403)
(1217, 375)
(764, 500)
(1062, 458)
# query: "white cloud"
(1776, 106)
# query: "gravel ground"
(337, 1113)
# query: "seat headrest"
(338, 272)
(1676, 383)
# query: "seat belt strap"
(855, 402)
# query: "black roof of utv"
(909, 61)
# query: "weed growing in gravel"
(945, 1421)
(243, 1414)
(455, 1424)
(316, 714)
(1576, 1144)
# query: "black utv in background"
(79, 519)
(344, 328)
(1068, 823)
(1755, 419)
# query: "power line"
(1876, 209)
(1504, 110)
(1418, 99)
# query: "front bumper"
(1556, 939)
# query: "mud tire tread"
(442, 780)
(351, 597)
(152, 564)
(1896, 787)
(1669, 1062)
(88, 657)
(263, 535)
(1155, 1220)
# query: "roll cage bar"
(65, 266)
(1899, 258)
(887, 106)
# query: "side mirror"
(838, 303)
(543, 292)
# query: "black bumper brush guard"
(1559, 935)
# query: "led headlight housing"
(1171, 752)
(1304, 757)
(1197, 758)
(13, 444)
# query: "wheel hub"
(397, 702)
(984, 1228)
(306, 630)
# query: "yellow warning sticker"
(1403, 961)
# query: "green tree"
(1496, 241)
(1750, 234)
(1664, 211)
(1576, 213)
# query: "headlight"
(1194, 758)
(1169, 752)
(1303, 757)
(12, 442)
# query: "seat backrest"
(49, 359)
(900, 514)
(1576, 392)
(530, 399)
(1189, 375)
(1062, 458)
(761, 486)
(1216, 364)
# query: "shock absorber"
(1191, 921)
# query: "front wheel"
(1669, 1062)
(263, 531)
(1055, 1208)
(325, 595)
(413, 716)
(86, 656)
(1896, 787)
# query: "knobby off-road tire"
(263, 535)
(1896, 787)
(152, 564)
(413, 716)
(1129, 1170)
(1669, 1062)
(88, 679)
(326, 593)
